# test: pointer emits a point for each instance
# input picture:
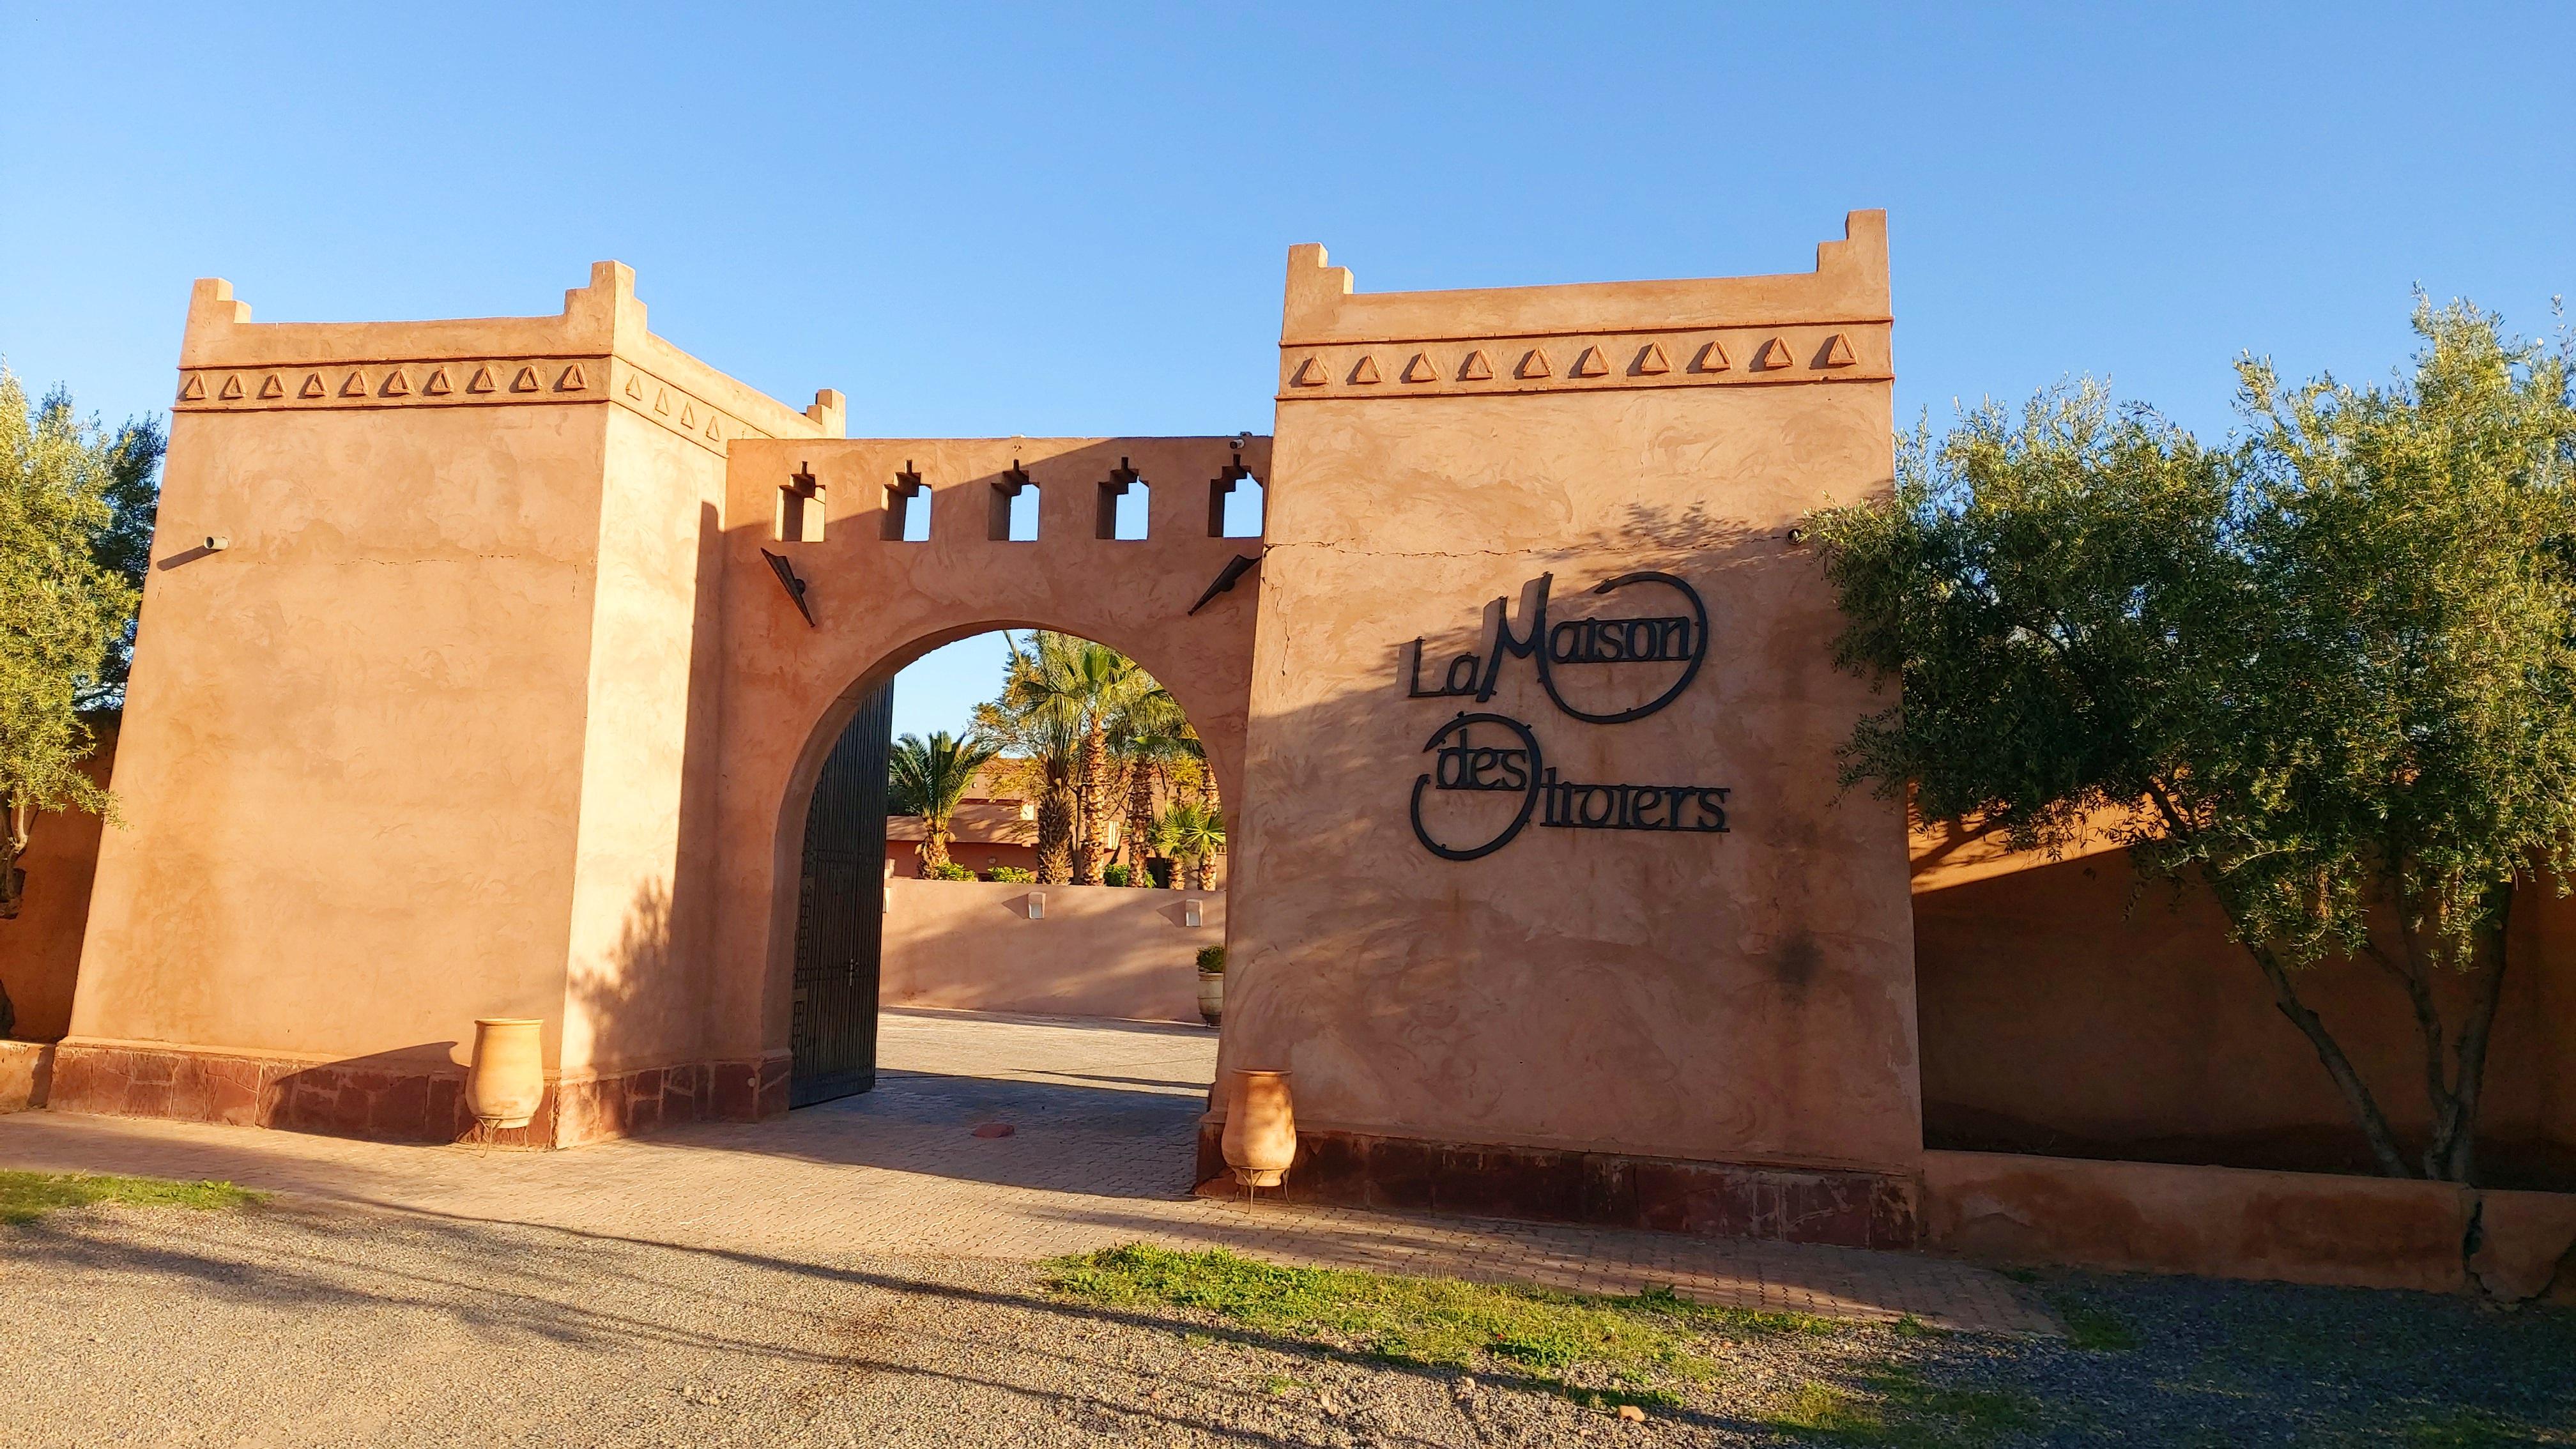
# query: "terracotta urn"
(1260, 1128)
(1212, 996)
(508, 1078)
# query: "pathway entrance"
(1102, 1114)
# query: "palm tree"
(1194, 834)
(928, 777)
(1145, 738)
(1047, 738)
(1077, 687)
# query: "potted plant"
(1212, 983)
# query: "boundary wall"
(1101, 951)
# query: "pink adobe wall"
(40, 950)
(1096, 951)
(2294, 1227)
(2065, 1011)
(788, 689)
(1734, 998)
(424, 742)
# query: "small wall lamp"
(217, 542)
(1037, 905)
(1190, 915)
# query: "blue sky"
(992, 220)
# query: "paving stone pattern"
(1103, 1117)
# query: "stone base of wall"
(396, 1099)
(2226, 1222)
(26, 1074)
(1707, 1199)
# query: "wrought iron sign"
(1482, 752)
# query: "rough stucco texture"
(353, 741)
(1740, 997)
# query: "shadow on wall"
(2067, 1010)
(40, 948)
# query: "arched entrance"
(826, 597)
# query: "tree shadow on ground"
(597, 1293)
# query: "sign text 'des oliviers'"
(1481, 752)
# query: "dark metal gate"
(840, 915)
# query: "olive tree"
(65, 606)
(2327, 672)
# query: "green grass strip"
(27, 1196)
(1597, 1349)
(1894, 1405)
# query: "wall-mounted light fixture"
(1037, 905)
(217, 543)
(1190, 914)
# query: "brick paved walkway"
(1104, 1114)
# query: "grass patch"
(1598, 1350)
(2091, 1326)
(1895, 1405)
(27, 1196)
(2473, 1429)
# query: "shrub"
(1115, 875)
(1011, 875)
(949, 870)
(1211, 958)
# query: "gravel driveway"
(297, 1323)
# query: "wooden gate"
(840, 915)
